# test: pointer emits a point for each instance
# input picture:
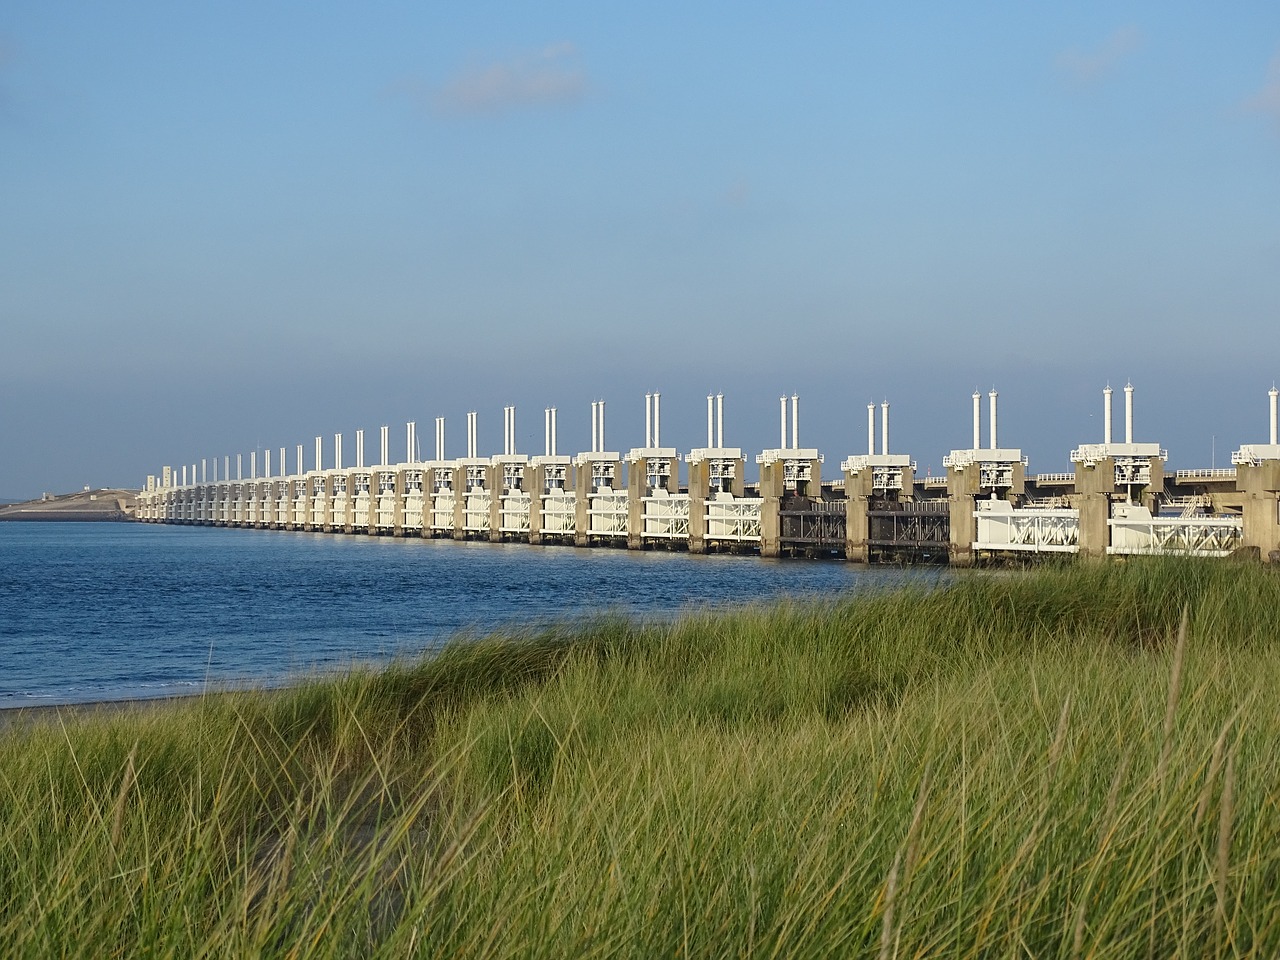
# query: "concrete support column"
(857, 525)
(1261, 488)
(309, 504)
(1095, 488)
(963, 530)
(459, 503)
(772, 490)
(699, 486)
(582, 504)
(493, 482)
(428, 501)
(637, 490)
(962, 489)
(326, 496)
(375, 495)
(397, 515)
(349, 514)
(1095, 533)
(535, 482)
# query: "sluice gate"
(812, 527)
(911, 532)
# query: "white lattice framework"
(319, 501)
(608, 514)
(1035, 530)
(413, 499)
(283, 502)
(666, 516)
(559, 513)
(442, 507)
(515, 512)
(338, 501)
(475, 511)
(733, 519)
(299, 508)
(363, 503)
(1195, 536)
(385, 515)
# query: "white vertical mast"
(1128, 413)
(1106, 415)
(994, 443)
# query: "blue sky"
(234, 225)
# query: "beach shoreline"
(19, 716)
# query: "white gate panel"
(734, 519)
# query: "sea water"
(111, 611)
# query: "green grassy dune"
(1035, 764)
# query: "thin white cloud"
(1090, 66)
(547, 77)
(1267, 100)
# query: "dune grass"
(1050, 763)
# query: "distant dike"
(88, 505)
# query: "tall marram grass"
(1049, 764)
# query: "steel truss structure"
(666, 516)
(559, 513)
(812, 524)
(733, 519)
(442, 507)
(476, 518)
(515, 513)
(909, 531)
(385, 514)
(608, 513)
(283, 502)
(319, 504)
(413, 499)
(1195, 536)
(1033, 530)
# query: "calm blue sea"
(109, 611)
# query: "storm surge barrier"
(1118, 500)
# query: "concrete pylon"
(1260, 484)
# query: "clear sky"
(245, 224)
